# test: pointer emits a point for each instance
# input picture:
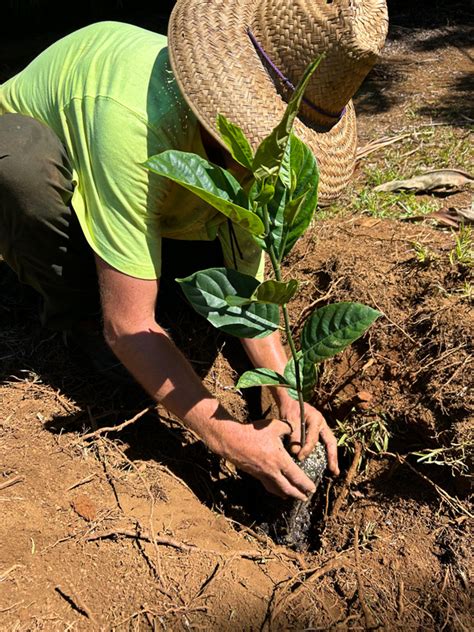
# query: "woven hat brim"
(219, 72)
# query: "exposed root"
(349, 478)
(176, 544)
(101, 431)
(288, 592)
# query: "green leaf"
(302, 204)
(261, 192)
(261, 377)
(271, 151)
(212, 184)
(236, 141)
(276, 291)
(274, 197)
(270, 291)
(276, 211)
(290, 213)
(207, 290)
(332, 328)
(308, 377)
(238, 301)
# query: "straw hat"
(241, 58)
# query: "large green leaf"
(236, 141)
(261, 377)
(271, 151)
(212, 184)
(207, 290)
(332, 328)
(308, 377)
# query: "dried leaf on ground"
(436, 181)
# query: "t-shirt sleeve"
(118, 199)
(240, 251)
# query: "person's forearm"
(268, 353)
(153, 359)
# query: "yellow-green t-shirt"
(109, 94)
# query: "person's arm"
(268, 352)
(145, 349)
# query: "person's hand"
(257, 448)
(316, 428)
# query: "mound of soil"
(416, 361)
(84, 554)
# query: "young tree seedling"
(276, 208)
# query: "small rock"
(364, 396)
(84, 507)
(364, 399)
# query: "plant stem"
(277, 270)
(297, 373)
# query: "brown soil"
(77, 550)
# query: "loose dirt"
(143, 529)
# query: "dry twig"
(14, 605)
(83, 481)
(349, 478)
(12, 481)
(167, 541)
(392, 322)
(456, 505)
(101, 431)
(309, 308)
(4, 574)
(103, 461)
(142, 535)
(379, 143)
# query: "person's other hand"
(257, 448)
(316, 428)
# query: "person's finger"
(297, 478)
(282, 427)
(294, 441)
(295, 447)
(288, 490)
(315, 422)
(272, 487)
(331, 448)
(280, 486)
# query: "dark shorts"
(40, 236)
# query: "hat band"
(288, 83)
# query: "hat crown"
(215, 49)
(350, 34)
